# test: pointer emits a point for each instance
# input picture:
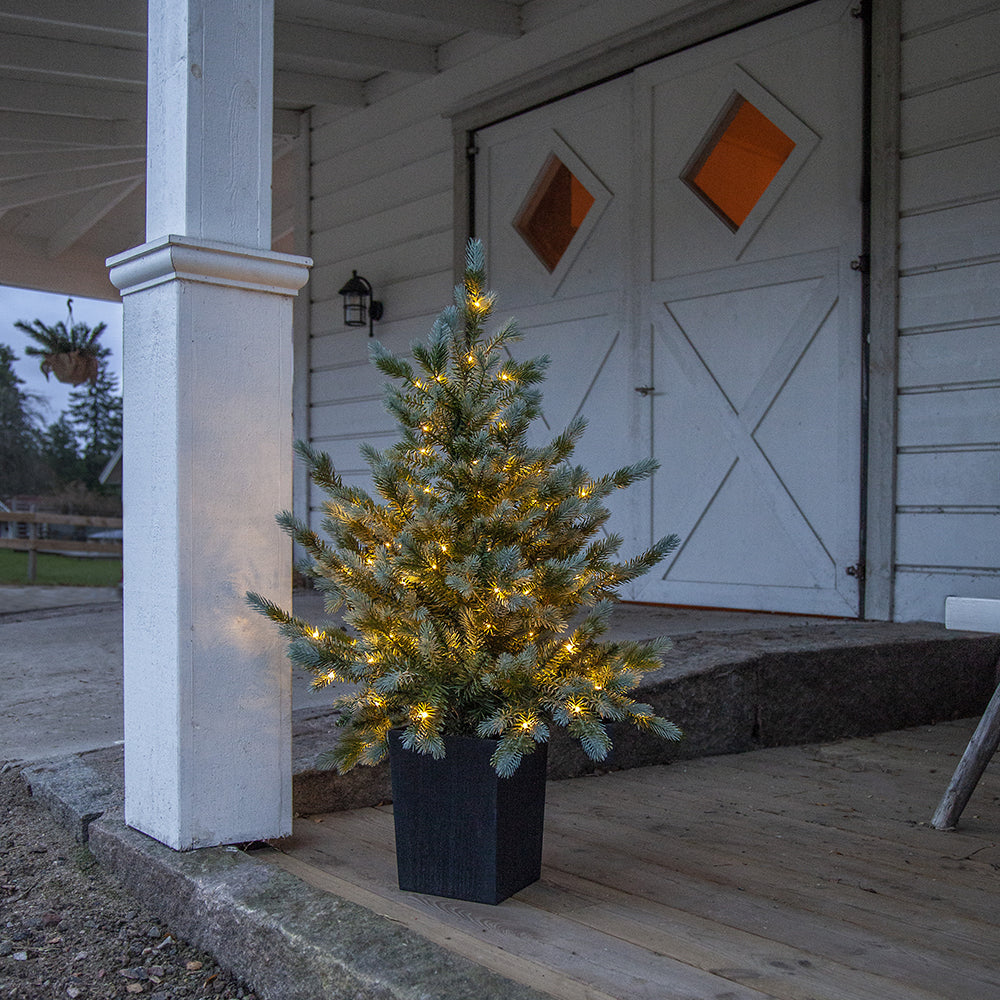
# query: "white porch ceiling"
(72, 109)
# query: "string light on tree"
(486, 552)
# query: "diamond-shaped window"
(737, 161)
(553, 212)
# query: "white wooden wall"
(948, 473)
(382, 203)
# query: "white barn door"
(552, 208)
(754, 314)
(711, 271)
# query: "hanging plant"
(69, 350)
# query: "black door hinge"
(861, 263)
(858, 570)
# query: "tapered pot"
(462, 831)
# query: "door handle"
(645, 390)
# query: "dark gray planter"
(461, 831)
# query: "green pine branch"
(476, 582)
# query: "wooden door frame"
(880, 241)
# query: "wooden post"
(970, 768)
(32, 551)
(208, 436)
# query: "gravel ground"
(68, 930)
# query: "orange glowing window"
(738, 161)
(553, 211)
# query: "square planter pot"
(462, 831)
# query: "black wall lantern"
(359, 305)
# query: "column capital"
(170, 258)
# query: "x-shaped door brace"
(739, 427)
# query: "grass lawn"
(54, 570)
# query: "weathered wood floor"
(801, 872)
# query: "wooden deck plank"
(809, 934)
(518, 968)
(829, 821)
(709, 845)
(792, 873)
(883, 802)
(520, 928)
(801, 880)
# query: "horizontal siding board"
(347, 347)
(352, 417)
(393, 227)
(335, 168)
(337, 385)
(948, 479)
(950, 235)
(953, 114)
(963, 295)
(920, 595)
(921, 15)
(389, 189)
(346, 455)
(970, 354)
(965, 540)
(968, 416)
(949, 176)
(955, 51)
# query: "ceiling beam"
(117, 18)
(16, 166)
(82, 221)
(309, 89)
(32, 190)
(44, 97)
(296, 44)
(494, 17)
(54, 59)
(64, 131)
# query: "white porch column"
(207, 454)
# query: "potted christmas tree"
(69, 350)
(475, 591)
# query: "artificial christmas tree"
(477, 588)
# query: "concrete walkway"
(61, 671)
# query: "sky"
(23, 304)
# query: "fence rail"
(33, 544)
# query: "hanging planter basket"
(71, 367)
(461, 830)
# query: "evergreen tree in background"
(62, 452)
(477, 586)
(21, 466)
(95, 411)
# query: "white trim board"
(974, 614)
